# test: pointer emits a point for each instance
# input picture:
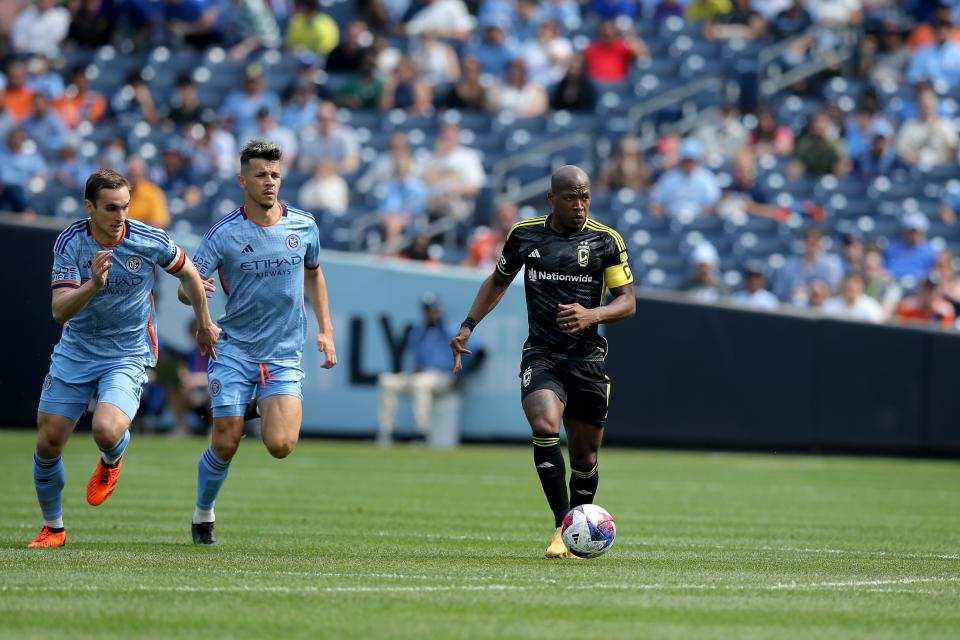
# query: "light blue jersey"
(261, 271)
(118, 322)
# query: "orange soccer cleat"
(48, 538)
(102, 482)
(557, 549)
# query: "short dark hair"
(103, 179)
(260, 149)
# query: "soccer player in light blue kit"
(103, 276)
(266, 254)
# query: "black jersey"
(563, 269)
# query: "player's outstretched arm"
(573, 317)
(316, 287)
(192, 287)
(208, 286)
(69, 302)
(488, 297)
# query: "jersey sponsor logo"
(247, 249)
(272, 266)
(537, 275)
(293, 241)
(62, 273)
(583, 254)
(527, 375)
(203, 265)
(214, 387)
(47, 382)
(134, 264)
(534, 254)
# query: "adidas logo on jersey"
(534, 254)
(247, 249)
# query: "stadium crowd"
(841, 194)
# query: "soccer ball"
(588, 531)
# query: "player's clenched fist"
(101, 268)
(326, 346)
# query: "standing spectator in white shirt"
(853, 303)
(454, 176)
(754, 294)
(40, 28)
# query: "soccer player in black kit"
(570, 263)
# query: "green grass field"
(343, 540)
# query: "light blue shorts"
(233, 381)
(70, 384)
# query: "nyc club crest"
(583, 254)
(134, 264)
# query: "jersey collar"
(126, 234)
(546, 224)
(283, 214)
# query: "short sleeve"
(207, 257)
(311, 257)
(510, 259)
(66, 270)
(616, 271)
(169, 256)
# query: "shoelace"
(104, 475)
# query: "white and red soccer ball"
(588, 531)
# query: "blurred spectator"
(881, 159)
(470, 92)
(518, 94)
(819, 151)
(912, 255)
(382, 169)
(705, 284)
(666, 155)
(790, 24)
(133, 102)
(185, 105)
(79, 103)
(927, 306)
(744, 196)
(44, 125)
(404, 89)
(625, 168)
(945, 269)
(792, 282)
(242, 106)
(858, 126)
(949, 205)
(880, 285)
(268, 129)
(704, 10)
(611, 55)
(667, 9)
(924, 33)
(486, 243)
(690, 190)
(418, 250)
(40, 28)
(430, 375)
(17, 96)
(376, 15)
(454, 175)
(852, 252)
(175, 174)
(818, 292)
(300, 111)
(191, 394)
(547, 57)
(938, 62)
(883, 58)
(724, 136)
(563, 12)
(41, 77)
(447, 18)
(19, 164)
(347, 56)
(930, 140)
(325, 190)
(328, 139)
(215, 151)
(493, 50)
(612, 9)
(754, 294)
(194, 22)
(527, 20)
(769, 137)
(70, 170)
(770, 9)
(853, 303)
(403, 204)
(742, 22)
(362, 89)
(311, 30)
(575, 91)
(91, 23)
(148, 204)
(437, 61)
(833, 16)
(250, 25)
(113, 154)
(6, 121)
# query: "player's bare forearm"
(193, 288)
(490, 294)
(69, 302)
(573, 318)
(316, 288)
(623, 305)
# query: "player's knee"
(107, 431)
(543, 427)
(583, 460)
(225, 450)
(50, 441)
(280, 447)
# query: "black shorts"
(582, 385)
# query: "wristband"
(469, 323)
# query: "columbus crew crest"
(527, 375)
(583, 254)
